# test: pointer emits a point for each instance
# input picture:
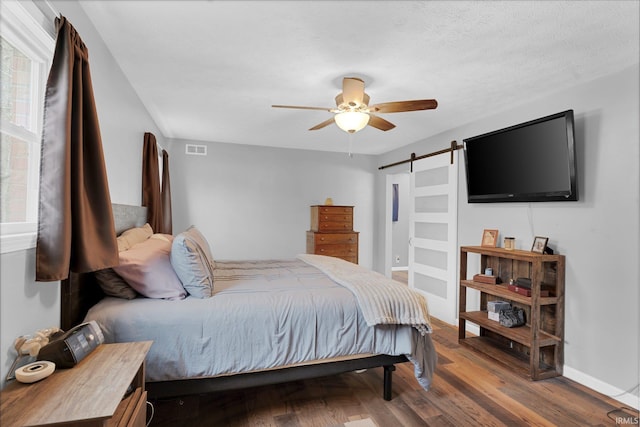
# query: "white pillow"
(147, 268)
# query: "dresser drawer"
(333, 226)
(334, 210)
(333, 238)
(340, 245)
(337, 250)
(331, 218)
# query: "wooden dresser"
(332, 232)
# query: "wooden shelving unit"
(537, 348)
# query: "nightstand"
(95, 392)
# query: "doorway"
(431, 240)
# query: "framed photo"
(539, 244)
(489, 238)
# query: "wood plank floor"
(468, 390)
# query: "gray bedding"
(263, 315)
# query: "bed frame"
(81, 291)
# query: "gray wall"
(253, 202)
(27, 305)
(598, 234)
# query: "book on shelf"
(526, 291)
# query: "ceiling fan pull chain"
(350, 144)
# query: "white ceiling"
(210, 70)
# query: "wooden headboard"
(80, 291)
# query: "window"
(25, 54)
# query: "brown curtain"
(151, 182)
(75, 221)
(166, 195)
(158, 202)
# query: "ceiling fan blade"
(323, 124)
(352, 91)
(304, 108)
(380, 123)
(401, 106)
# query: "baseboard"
(622, 396)
(400, 268)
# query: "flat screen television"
(529, 162)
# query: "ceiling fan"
(353, 113)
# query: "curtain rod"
(454, 146)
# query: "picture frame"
(489, 238)
(539, 244)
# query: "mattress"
(263, 315)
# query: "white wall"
(27, 305)
(599, 234)
(253, 202)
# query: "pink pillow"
(146, 267)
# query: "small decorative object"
(512, 317)
(328, 201)
(488, 271)
(489, 238)
(494, 307)
(526, 291)
(539, 244)
(509, 243)
(483, 278)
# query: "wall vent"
(196, 150)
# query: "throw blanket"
(382, 300)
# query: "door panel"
(433, 234)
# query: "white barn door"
(433, 236)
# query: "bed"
(266, 322)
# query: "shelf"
(506, 356)
(520, 334)
(537, 348)
(512, 254)
(503, 292)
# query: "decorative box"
(496, 306)
(483, 278)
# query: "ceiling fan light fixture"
(351, 121)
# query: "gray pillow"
(193, 263)
(114, 285)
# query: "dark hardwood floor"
(469, 389)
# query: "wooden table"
(89, 394)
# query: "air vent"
(196, 150)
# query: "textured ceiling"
(210, 70)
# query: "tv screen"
(530, 162)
